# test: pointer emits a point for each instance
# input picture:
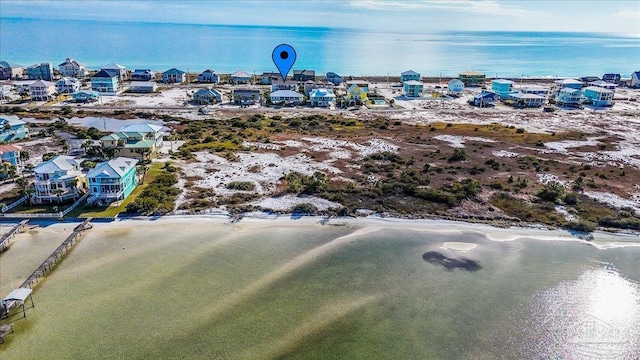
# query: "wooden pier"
(4, 240)
(57, 254)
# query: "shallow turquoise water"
(306, 291)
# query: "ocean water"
(226, 49)
(258, 290)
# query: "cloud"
(488, 7)
(628, 14)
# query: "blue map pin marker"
(284, 56)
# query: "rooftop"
(113, 168)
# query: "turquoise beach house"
(105, 83)
(12, 130)
(412, 88)
(174, 76)
(598, 96)
(113, 180)
(409, 75)
(10, 154)
(502, 87)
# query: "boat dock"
(57, 254)
(4, 240)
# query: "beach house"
(267, 78)
(112, 180)
(635, 80)
(485, 98)
(208, 76)
(105, 83)
(304, 75)
(455, 87)
(286, 97)
(42, 71)
(605, 85)
(334, 78)
(279, 84)
(85, 96)
(598, 96)
(116, 70)
(143, 87)
(568, 97)
(9, 70)
(67, 85)
(174, 76)
(569, 83)
(362, 84)
(207, 96)
(142, 75)
(245, 96)
(13, 129)
(502, 87)
(356, 94)
(322, 97)
(472, 78)
(412, 88)
(57, 180)
(310, 85)
(10, 154)
(526, 100)
(612, 78)
(42, 90)
(536, 90)
(72, 68)
(136, 141)
(409, 75)
(240, 77)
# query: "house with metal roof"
(455, 87)
(304, 75)
(67, 85)
(502, 87)
(240, 77)
(568, 97)
(57, 180)
(112, 180)
(9, 70)
(485, 98)
(569, 83)
(598, 96)
(13, 129)
(472, 78)
(412, 88)
(72, 68)
(322, 97)
(536, 90)
(42, 71)
(605, 85)
(526, 100)
(409, 75)
(142, 75)
(42, 90)
(137, 141)
(116, 70)
(10, 154)
(245, 97)
(143, 87)
(105, 83)
(334, 78)
(357, 94)
(612, 78)
(209, 76)
(267, 78)
(280, 84)
(85, 96)
(286, 97)
(174, 76)
(207, 96)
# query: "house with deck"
(42, 90)
(535, 90)
(598, 96)
(13, 130)
(112, 180)
(57, 180)
(174, 76)
(356, 94)
(304, 75)
(280, 84)
(209, 77)
(502, 87)
(412, 88)
(105, 83)
(85, 96)
(67, 85)
(9, 70)
(568, 97)
(526, 100)
(569, 83)
(207, 96)
(240, 77)
(136, 141)
(485, 98)
(10, 154)
(286, 97)
(42, 71)
(116, 70)
(472, 78)
(143, 87)
(409, 75)
(455, 87)
(322, 97)
(334, 78)
(245, 97)
(72, 68)
(142, 75)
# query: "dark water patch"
(438, 258)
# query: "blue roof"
(103, 74)
(7, 64)
(173, 71)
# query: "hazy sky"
(621, 16)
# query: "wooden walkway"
(57, 254)
(4, 240)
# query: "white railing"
(74, 205)
(14, 204)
